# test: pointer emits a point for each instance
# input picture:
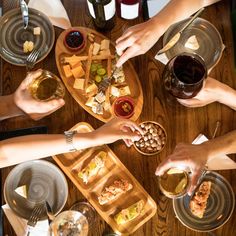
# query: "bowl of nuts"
(153, 140)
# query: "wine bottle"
(128, 9)
(103, 13)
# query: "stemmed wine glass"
(184, 75)
(74, 222)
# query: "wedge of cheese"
(115, 91)
(124, 91)
(22, 191)
(192, 43)
(92, 88)
(75, 64)
(78, 72)
(79, 84)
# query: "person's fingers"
(129, 53)
(128, 142)
(52, 104)
(124, 36)
(130, 135)
(169, 163)
(30, 77)
(194, 180)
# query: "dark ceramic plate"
(44, 182)
(13, 36)
(220, 205)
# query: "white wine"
(103, 13)
(174, 183)
(46, 87)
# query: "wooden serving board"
(72, 163)
(131, 77)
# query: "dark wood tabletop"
(182, 124)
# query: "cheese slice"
(37, 31)
(96, 48)
(67, 71)
(115, 91)
(90, 102)
(105, 44)
(192, 43)
(79, 84)
(124, 91)
(91, 88)
(78, 72)
(22, 191)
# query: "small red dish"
(124, 107)
(74, 40)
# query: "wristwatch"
(69, 139)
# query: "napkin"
(20, 225)
(54, 10)
(221, 162)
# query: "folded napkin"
(221, 162)
(54, 10)
(20, 225)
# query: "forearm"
(227, 96)
(8, 108)
(25, 148)
(177, 10)
(225, 144)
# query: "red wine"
(128, 9)
(103, 13)
(184, 75)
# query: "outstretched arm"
(21, 102)
(196, 156)
(25, 148)
(140, 38)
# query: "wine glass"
(175, 182)
(184, 75)
(69, 223)
(86, 210)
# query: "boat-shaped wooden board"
(72, 163)
(131, 78)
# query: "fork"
(31, 59)
(35, 215)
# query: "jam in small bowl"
(124, 107)
(74, 40)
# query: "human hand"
(118, 129)
(35, 109)
(186, 155)
(137, 40)
(210, 92)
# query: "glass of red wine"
(184, 75)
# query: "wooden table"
(182, 124)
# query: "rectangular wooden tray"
(72, 163)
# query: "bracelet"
(69, 139)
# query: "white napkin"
(221, 162)
(20, 225)
(54, 10)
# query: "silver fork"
(31, 59)
(35, 215)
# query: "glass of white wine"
(174, 183)
(47, 87)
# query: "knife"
(25, 13)
(176, 37)
(50, 214)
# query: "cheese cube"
(37, 31)
(96, 48)
(115, 91)
(105, 44)
(78, 72)
(79, 84)
(67, 71)
(75, 64)
(124, 91)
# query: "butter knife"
(25, 13)
(176, 37)
(50, 214)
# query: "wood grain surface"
(181, 124)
